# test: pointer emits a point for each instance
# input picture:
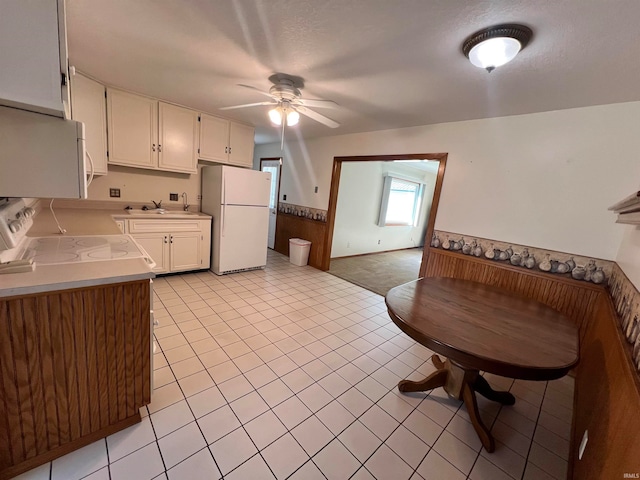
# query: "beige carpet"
(379, 272)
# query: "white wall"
(139, 185)
(544, 179)
(356, 229)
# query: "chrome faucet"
(185, 205)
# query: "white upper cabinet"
(241, 145)
(178, 139)
(214, 138)
(133, 129)
(224, 141)
(145, 133)
(34, 73)
(88, 106)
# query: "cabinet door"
(157, 246)
(33, 56)
(178, 139)
(214, 138)
(241, 145)
(88, 106)
(185, 251)
(133, 129)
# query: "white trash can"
(299, 251)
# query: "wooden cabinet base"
(68, 448)
(75, 366)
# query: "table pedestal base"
(461, 383)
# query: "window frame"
(386, 195)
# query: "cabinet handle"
(226, 149)
(229, 150)
(171, 239)
(165, 239)
(153, 147)
(159, 147)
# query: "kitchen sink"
(161, 211)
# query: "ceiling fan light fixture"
(293, 118)
(275, 115)
(493, 47)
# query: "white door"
(185, 251)
(214, 138)
(178, 139)
(273, 167)
(133, 129)
(157, 246)
(245, 187)
(243, 238)
(241, 143)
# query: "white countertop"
(78, 221)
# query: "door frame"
(271, 159)
(333, 198)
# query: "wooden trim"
(331, 213)
(432, 215)
(556, 277)
(333, 197)
(289, 226)
(606, 402)
(69, 447)
(74, 367)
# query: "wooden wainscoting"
(74, 367)
(606, 402)
(290, 226)
(574, 298)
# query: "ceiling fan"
(288, 104)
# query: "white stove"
(15, 221)
(87, 248)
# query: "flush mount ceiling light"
(495, 46)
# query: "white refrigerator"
(238, 201)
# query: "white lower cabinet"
(174, 245)
(157, 246)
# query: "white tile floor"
(289, 372)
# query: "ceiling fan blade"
(316, 103)
(248, 105)
(318, 117)
(262, 92)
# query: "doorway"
(272, 165)
(441, 158)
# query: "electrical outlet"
(173, 197)
(378, 242)
(316, 189)
(284, 197)
(114, 192)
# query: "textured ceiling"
(388, 64)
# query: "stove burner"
(55, 257)
(91, 242)
(108, 254)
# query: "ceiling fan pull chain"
(282, 139)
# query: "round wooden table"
(481, 327)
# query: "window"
(401, 200)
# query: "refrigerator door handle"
(224, 207)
